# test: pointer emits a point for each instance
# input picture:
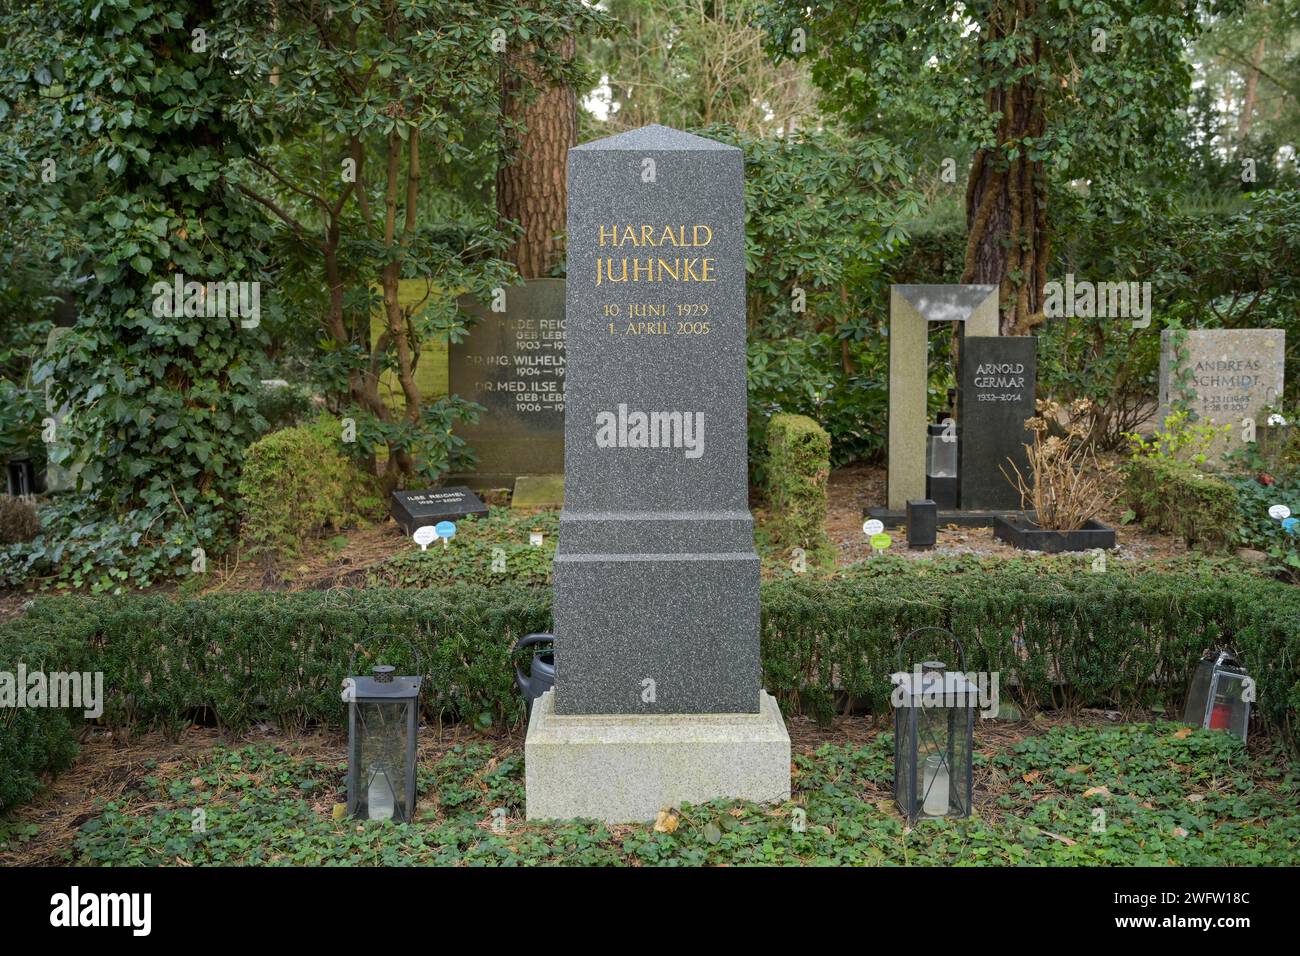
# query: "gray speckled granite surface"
(656, 578)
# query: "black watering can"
(541, 676)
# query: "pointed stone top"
(653, 138)
(946, 303)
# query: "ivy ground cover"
(1105, 794)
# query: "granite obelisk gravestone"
(657, 696)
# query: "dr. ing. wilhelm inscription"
(999, 381)
(665, 253)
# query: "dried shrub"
(18, 520)
(1067, 485)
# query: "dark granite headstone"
(995, 395)
(656, 578)
(513, 364)
(414, 509)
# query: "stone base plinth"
(625, 768)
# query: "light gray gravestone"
(1224, 375)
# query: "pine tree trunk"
(1247, 116)
(1007, 241)
(531, 178)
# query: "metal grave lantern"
(1220, 695)
(383, 717)
(934, 726)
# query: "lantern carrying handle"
(388, 634)
(961, 651)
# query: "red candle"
(1219, 716)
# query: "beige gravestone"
(1226, 376)
(911, 309)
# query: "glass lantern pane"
(904, 766)
(959, 761)
(934, 752)
(380, 753)
(1229, 710)
(941, 458)
(1198, 695)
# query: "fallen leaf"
(1031, 776)
(1183, 733)
(665, 822)
(197, 783)
(1097, 792)
(1056, 836)
(1196, 797)
(340, 811)
(1077, 768)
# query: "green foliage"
(76, 549)
(1256, 529)
(1180, 439)
(925, 69)
(264, 806)
(806, 376)
(21, 411)
(798, 468)
(1174, 497)
(18, 520)
(719, 71)
(297, 483)
(824, 221)
(1057, 639)
(389, 104)
(495, 549)
(1169, 491)
(131, 114)
(36, 741)
(283, 406)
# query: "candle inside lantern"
(1220, 716)
(380, 800)
(935, 786)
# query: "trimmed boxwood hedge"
(798, 468)
(1172, 497)
(1054, 638)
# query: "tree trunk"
(532, 187)
(1007, 241)
(1247, 116)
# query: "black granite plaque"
(995, 395)
(414, 509)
